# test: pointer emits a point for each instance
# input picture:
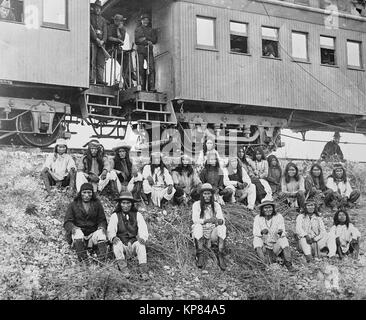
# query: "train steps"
(149, 107)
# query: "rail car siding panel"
(221, 76)
(47, 55)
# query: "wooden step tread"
(151, 111)
(100, 94)
(103, 105)
(156, 121)
(95, 115)
(151, 101)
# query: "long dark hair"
(217, 166)
(321, 177)
(260, 150)
(180, 168)
(118, 208)
(315, 209)
(336, 218)
(87, 161)
(153, 166)
(344, 175)
(203, 204)
(118, 160)
(55, 149)
(205, 146)
(79, 199)
(239, 169)
(296, 176)
(261, 211)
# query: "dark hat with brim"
(125, 195)
(266, 203)
(86, 186)
(97, 4)
(119, 17)
(92, 143)
(145, 15)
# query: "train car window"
(55, 13)
(12, 10)
(354, 54)
(206, 32)
(299, 45)
(327, 50)
(270, 42)
(238, 37)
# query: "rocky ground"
(37, 263)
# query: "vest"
(127, 229)
(235, 177)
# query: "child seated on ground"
(311, 233)
(346, 235)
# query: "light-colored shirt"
(228, 182)
(141, 225)
(59, 165)
(259, 168)
(160, 179)
(293, 186)
(345, 234)
(313, 227)
(344, 189)
(190, 182)
(196, 211)
(272, 225)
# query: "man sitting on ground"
(85, 224)
(127, 230)
(96, 169)
(208, 224)
(59, 168)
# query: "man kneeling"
(269, 234)
(208, 223)
(86, 224)
(128, 233)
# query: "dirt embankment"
(37, 263)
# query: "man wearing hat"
(270, 236)
(85, 224)
(128, 176)
(98, 38)
(311, 232)
(208, 225)
(332, 150)
(96, 169)
(145, 38)
(59, 168)
(116, 38)
(127, 231)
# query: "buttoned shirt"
(59, 165)
(310, 226)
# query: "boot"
(122, 266)
(80, 248)
(199, 253)
(143, 272)
(260, 254)
(220, 256)
(288, 260)
(308, 258)
(102, 250)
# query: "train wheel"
(25, 123)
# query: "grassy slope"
(37, 263)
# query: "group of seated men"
(208, 186)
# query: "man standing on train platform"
(98, 37)
(145, 38)
(332, 150)
(59, 169)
